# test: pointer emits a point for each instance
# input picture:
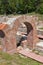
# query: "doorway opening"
(2, 35)
(22, 33)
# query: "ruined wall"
(10, 30)
(32, 36)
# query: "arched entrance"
(23, 32)
(29, 22)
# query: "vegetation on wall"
(21, 6)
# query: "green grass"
(16, 59)
(0, 42)
(41, 28)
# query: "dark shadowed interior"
(2, 34)
(29, 27)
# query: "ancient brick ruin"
(8, 33)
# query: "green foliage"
(5, 56)
(40, 8)
(21, 6)
(16, 59)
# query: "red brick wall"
(9, 42)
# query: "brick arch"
(32, 36)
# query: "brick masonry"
(9, 41)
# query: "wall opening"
(2, 34)
(23, 31)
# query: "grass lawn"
(16, 59)
(41, 28)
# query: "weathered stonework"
(10, 30)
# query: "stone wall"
(9, 41)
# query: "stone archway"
(11, 29)
(32, 38)
(24, 32)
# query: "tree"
(5, 8)
(20, 6)
(39, 8)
